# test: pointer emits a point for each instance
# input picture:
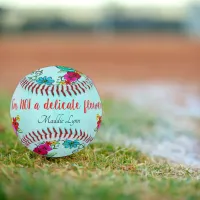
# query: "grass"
(101, 171)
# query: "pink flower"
(40, 151)
(72, 76)
(43, 149)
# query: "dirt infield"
(104, 58)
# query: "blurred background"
(146, 52)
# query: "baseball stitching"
(73, 89)
(52, 133)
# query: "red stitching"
(62, 134)
(57, 90)
(39, 134)
(32, 137)
(90, 83)
(89, 140)
(73, 89)
(33, 88)
(86, 84)
(42, 89)
(26, 85)
(52, 92)
(49, 132)
(30, 86)
(35, 135)
(45, 134)
(46, 90)
(23, 82)
(85, 138)
(24, 142)
(67, 88)
(37, 89)
(62, 90)
(55, 132)
(81, 88)
(82, 136)
(75, 133)
(66, 133)
(28, 138)
(76, 86)
(70, 133)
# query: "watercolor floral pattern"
(74, 145)
(45, 148)
(70, 76)
(99, 120)
(34, 75)
(79, 147)
(54, 144)
(65, 69)
(45, 80)
(15, 124)
(71, 144)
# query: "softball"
(56, 111)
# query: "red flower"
(67, 82)
(43, 149)
(15, 124)
(72, 76)
(40, 151)
(99, 123)
(48, 143)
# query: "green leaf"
(19, 130)
(51, 154)
(65, 69)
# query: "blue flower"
(45, 80)
(71, 144)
